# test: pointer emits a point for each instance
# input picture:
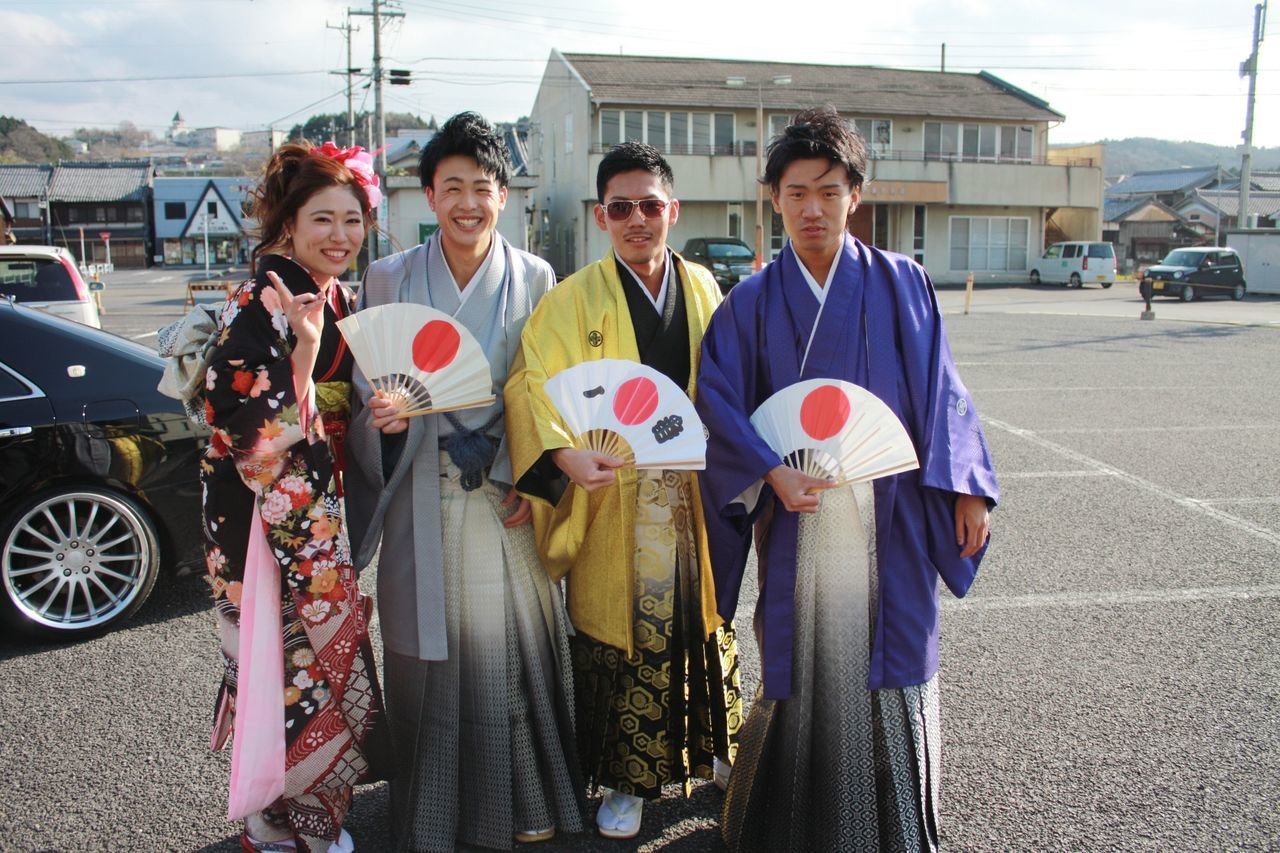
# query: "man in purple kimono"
(841, 750)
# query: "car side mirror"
(96, 285)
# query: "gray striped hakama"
(837, 767)
(490, 730)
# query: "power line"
(151, 79)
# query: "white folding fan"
(833, 429)
(624, 409)
(419, 357)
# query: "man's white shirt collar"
(661, 299)
(820, 293)
(464, 293)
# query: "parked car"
(1074, 263)
(729, 259)
(99, 476)
(46, 277)
(1198, 271)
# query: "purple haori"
(880, 329)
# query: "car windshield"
(729, 252)
(36, 280)
(1183, 258)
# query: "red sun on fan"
(824, 412)
(636, 401)
(435, 346)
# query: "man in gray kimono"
(477, 678)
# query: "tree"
(325, 126)
(124, 140)
(22, 143)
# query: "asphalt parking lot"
(1111, 682)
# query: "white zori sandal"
(619, 815)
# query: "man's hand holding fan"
(418, 360)
(830, 433)
(619, 413)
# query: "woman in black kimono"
(299, 680)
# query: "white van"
(1075, 263)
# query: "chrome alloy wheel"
(75, 561)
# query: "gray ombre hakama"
(837, 767)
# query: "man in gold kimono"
(655, 670)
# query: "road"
(1110, 682)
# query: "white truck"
(1259, 251)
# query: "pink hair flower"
(360, 162)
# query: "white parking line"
(1226, 518)
(1035, 475)
(1128, 389)
(1210, 428)
(1264, 499)
(1132, 596)
(143, 335)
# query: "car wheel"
(1075, 280)
(1034, 277)
(76, 561)
(1187, 293)
(1237, 292)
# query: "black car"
(99, 476)
(1199, 271)
(730, 260)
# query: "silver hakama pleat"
(837, 767)
(490, 730)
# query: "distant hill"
(1140, 154)
(22, 143)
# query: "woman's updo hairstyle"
(291, 177)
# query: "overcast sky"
(1162, 68)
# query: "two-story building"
(960, 175)
(191, 214)
(24, 194)
(100, 211)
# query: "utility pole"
(346, 31)
(380, 119)
(1250, 68)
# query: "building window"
(777, 126)
(701, 133)
(989, 243)
(735, 220)
(134, 213)
(723, 133)
(26, 210)
(633, 125)
(656, 130)
(878, 134)
(610, 127)
(99, 214)
(679, 133)
(211, 208)
(917, 234)
(954, 141)
(175, 210)
(777, 234)
(880, 226)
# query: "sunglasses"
(620, 211)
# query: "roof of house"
(122, 180)
(1163, 181)
(24, 181)
(852, 89)
(1118, 209)
(1228, 201)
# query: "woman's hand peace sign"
(305, 312)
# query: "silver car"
(46, 277)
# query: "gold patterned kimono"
(639, 586)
